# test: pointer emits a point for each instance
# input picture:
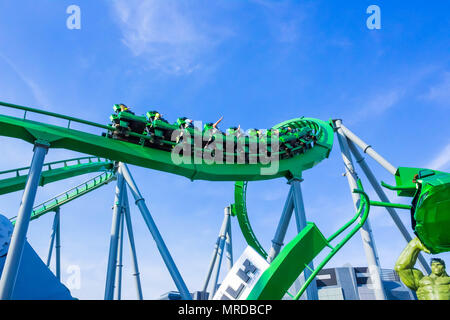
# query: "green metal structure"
(430, 205)
(239, 209)
(53, 171)
(137, 154)
(70, 195)
(150, 141)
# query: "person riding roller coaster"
(155, 115)
(120, 107)
(210, 129)
(183, 123)
(292, 141)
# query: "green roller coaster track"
(295, 256)
(70, 195)
(105, 150)
(53, 171)
(97, 145)
(239, 209)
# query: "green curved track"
(53, 171)
(72, 194)
(97, 145)
(295, 256)
(148, 157)
(240, 210)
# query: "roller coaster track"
(295, 256)
(240, 210)
(117, 150)
(53, 171)
(72, 194)
(103, 145)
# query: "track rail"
(70, 195)
(99, 146)
(53, 171)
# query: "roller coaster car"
(184, 122)
(430, 207)
(160, 134)
(125, 122)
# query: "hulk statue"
(435, 286)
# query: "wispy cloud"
(170, 35)
(393, 91)
(442, 160)
(382, 102)
(35, 89)
(440, 92)
(285, 19)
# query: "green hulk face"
(437, 268)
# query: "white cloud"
(442, 160)
(170, 35)
(377, 104)
(285, 19)
(36, 91)
(440, 92)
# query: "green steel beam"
(299, 252)
(53, 171)
(66, 138)
(390, 205)
(70, 195)
(239, 209)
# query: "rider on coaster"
(122, 108)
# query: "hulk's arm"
(405, 264)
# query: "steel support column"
(366, 231)
(222, 239)
(18, 238)
(229, 247)
(366, 148)
(165, 254)
(283, 224)
(118, 284)
(52, 242)
(134, 261)
(58, 244)
(300, 218)
(113, 244)
(376, 186)
(215, 254)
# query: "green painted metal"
(430, 209)
(70, 195)
(404, 177)
(362, 213)
(239, 209)
(60, 137)
(53, 171)
(299, 252)
(287, 266)
(390, 205)
(432, 212)
(52, 114)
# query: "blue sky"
(257, 63)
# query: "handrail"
(70, 119)
(364, 204)
(49, 164)
(390, 205)
(52, 114)
(69, 195)
(395, 188)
